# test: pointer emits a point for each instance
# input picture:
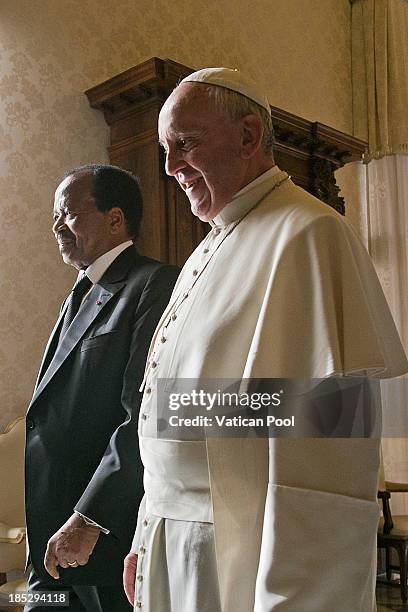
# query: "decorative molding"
(147, 83)
(324, 184)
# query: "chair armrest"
(11, 535)
(396, 487)
(385, 497)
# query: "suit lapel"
(111, 282)
(51, 345)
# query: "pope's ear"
(252, 132)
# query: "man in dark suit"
(83, 472)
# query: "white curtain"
(376, 197)
(387, 216)
(380, 74)
(380, 115)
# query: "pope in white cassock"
(280, 287)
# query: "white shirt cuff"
(92, 523)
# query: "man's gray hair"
(237, 106)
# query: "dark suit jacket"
(82, 444)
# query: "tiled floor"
(389, 598)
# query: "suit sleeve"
(113, 495)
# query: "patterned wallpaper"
(53, 50)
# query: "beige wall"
(53, 50)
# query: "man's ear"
(116, 220)
(252, 132)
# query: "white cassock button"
(138, 604)
(195, 272)
(145, 522)
(163, 339)
(144, 416)
(216, 231)
(154, 364)
(173, 316)
(142, 550)
(206, 251)
(139, 577)
(148, 390)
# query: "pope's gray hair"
(237, 106)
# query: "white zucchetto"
(230, 79)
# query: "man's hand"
(71, 545)
(129, 577)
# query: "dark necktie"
(81, 287)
